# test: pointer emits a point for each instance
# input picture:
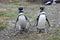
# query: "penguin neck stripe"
(20, 11)
(21, 14)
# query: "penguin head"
(20, 9)
(42, 9)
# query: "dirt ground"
(53, 14)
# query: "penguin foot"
(21, 32)
(26, 30)
(40, 30)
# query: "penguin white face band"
(42, 12)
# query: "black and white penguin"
(22, 20)
(48, 2)
(41, 21)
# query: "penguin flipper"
(48, 21)
(16, 22)
(37, 19)
(27, 19)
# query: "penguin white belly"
(48, 2)
(22, 21)
(42, 21)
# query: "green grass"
(9, 15)
(29, 15)
(12, 15)
(4, 16)
(54, 38)
(16, 4)
(2, 26)
(20, 4)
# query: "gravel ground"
(53, 13)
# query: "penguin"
(48, 2)
(41, 21)
(22, 21)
